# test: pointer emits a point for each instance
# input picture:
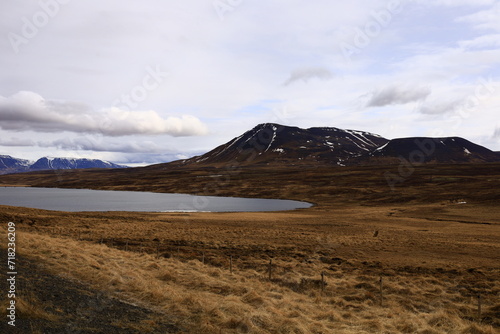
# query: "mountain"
(48, 163)
(431, 150)
(271, 143)
(274, 144)
(10, 165)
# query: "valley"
(434, 241)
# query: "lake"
(75, 200)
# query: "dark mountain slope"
(431, 150)
(277, 144)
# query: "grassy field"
(364, 259)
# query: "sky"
(142, 82)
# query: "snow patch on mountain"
(382, 147)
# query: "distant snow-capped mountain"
(47, 163)
(9, 165)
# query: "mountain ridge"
(435, 150)
(288, 144)
(271, 143)
(12, 165)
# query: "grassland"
(364, 259)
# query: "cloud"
(497, 133)
(17, 142)
(93, 144)
(486, 19)
(439, 107)
(30, 111)
(397, 95)
(227, 72)
(90, 143)
(455, 3)
(482, 42)
(306, 74)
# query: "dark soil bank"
(71, 307)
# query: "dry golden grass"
(208, 299)
(434, 255)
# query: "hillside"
(274, 144)
(431, 150)
(432, 242)
(271, 143)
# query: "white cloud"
(488, 19)
(29, 111)
(455, 3)
(481, 42)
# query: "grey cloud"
(497, 133)
(397, 95)
(90, 144)
(87, 144)
(306, 74)
(439, 107)
(17, 142)
(30, 111)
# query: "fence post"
(381, 291)
(479, 306)
(322, 281)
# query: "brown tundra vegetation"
(423, 258)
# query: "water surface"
(76, 200)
